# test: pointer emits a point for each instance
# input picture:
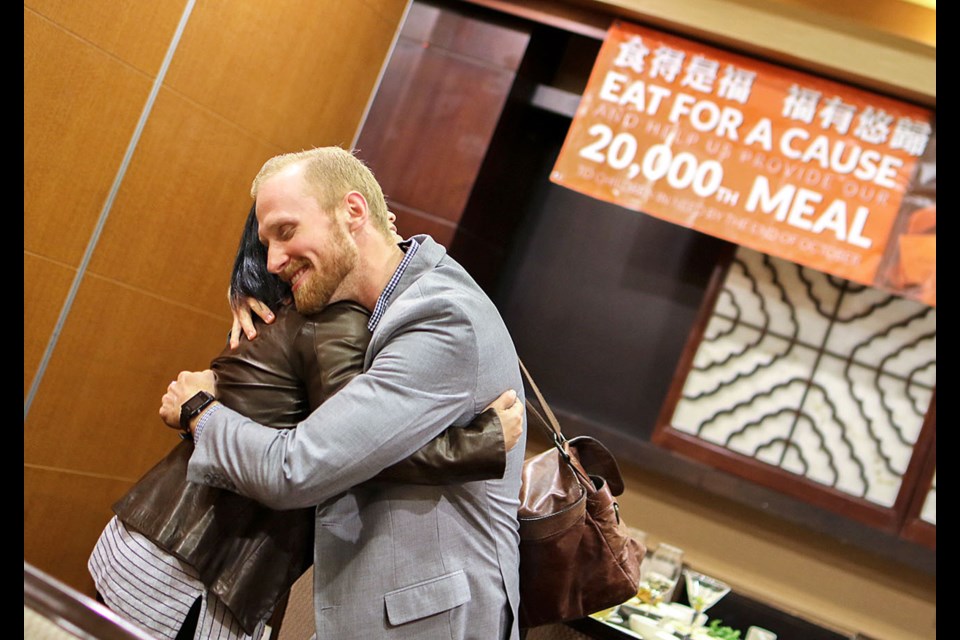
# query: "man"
(397, 561)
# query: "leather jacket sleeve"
(335, 343)
(474, 452)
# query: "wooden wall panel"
(891, 48)
(49, 283)
(838, 38)
(426, 139)
(152, 300)
(451, 32)
(314, 94)
(80, 109)
(103, 386)
(176, 222)
(411, 222)
(435, 112)
(136, 32)
(63, 515)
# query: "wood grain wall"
(434, 115)
(136, 183)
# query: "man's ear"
(357, 210)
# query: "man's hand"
(510, 411)
(243, 310)
(187, 384)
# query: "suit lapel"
(427, 258)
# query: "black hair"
(250, 278)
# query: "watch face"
(197, 402)
(192, 407)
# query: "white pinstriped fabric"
(154, 590)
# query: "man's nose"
(276, 259)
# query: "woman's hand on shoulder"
(510, 412)
(243, 310)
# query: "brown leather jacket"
(245, 553)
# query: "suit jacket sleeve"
(333, 345)
(422, 380)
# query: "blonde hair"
(331, 172)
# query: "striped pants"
(154, 590)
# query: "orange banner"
(783, 162)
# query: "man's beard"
(324, 280)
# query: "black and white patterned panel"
(818, 376)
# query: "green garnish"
(716, 629)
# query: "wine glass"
(702, 593)
(659, 574)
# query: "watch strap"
(192, 407)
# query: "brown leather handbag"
(576, 555)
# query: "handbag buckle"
(558, 441)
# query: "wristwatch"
(193, 407)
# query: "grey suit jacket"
(396, 561)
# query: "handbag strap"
(550, 424)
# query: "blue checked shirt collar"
(411, 246)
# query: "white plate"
(623, 629)
(680, 612)
(646, 627)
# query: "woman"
(225, 559)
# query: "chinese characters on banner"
(810, 170)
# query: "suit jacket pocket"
(427, 598)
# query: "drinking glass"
(659, 574)
(702, 592)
